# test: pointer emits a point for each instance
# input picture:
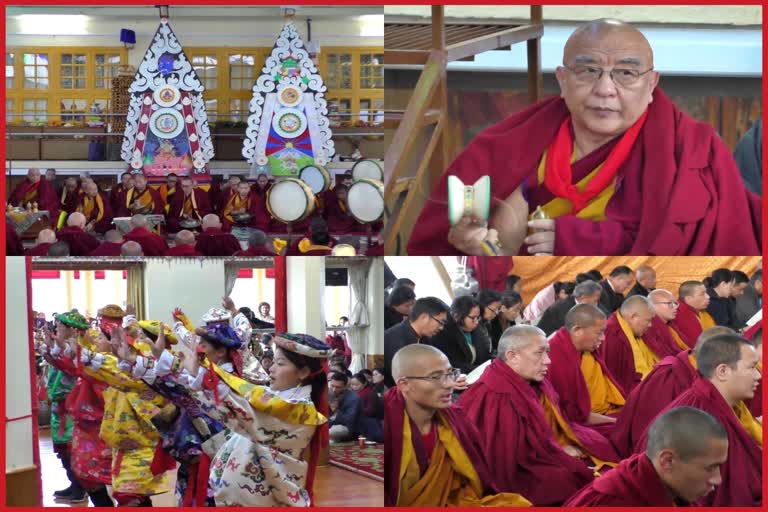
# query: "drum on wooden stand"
(290, 201)
(366, 200)
(367, 169)
(317, 177)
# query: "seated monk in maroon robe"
(616, 167)
(666, 307)
(185, 245)
(113, 241)
(94, 205)
(70, 196)
(244, 202)
(191, 203)
(631, 348)
(670, 378)
(36, 189)
(755, 404)
(45, 239)
(141, 199)
(213, 241)
(433, 456)
(589, 394)
(80, 243)
(151, 243)
(681, 464)
(126, 182)
(337, 214)
(541, 454)
(692, 316)
(259, 190)
(728, 376)
(259, 244)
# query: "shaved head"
(517, 338)
(76, 219)
(411, 358)
(638, 312)
(185, 237)
(685, 430)
(46, 236)
(583, 315)
(211, 221)
(635, 304)
(113, 236)
(33, 174)
(708, 334)
(588, 34)
(138, 221)
(131, 249)
(664, 304)
(688, 288)
(91, 188)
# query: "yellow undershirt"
(751, 425)
(677, 338)
(643, 356)
(706, 320)
(606, 398)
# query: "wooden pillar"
(535, 80)
(281, 295)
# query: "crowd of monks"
(196, 222)
(643, 400)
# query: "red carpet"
(368, 461)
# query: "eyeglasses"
(474, 318)
(620, 76)
(494, 311)
(441, 322)
(443, 378)
(673, 304)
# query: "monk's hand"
(468, 235)
(573, 451)
(510, 219)
(542, 241)
(461, 383)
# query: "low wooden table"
(28, 224)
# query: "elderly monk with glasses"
(614, 165)
(434, 457)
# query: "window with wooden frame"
(52, 85)
(355, 81)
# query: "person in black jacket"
(750, 301)
(399, 305)
(345, 409)
(490, 306)
(614, 287)
(586, 292)
(427, 317)
(459, 340)
(509, 314)
(719, 288)
(645, 281)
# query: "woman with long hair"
(721, 307)
(372, 408)
(459, 340)
(399, 305)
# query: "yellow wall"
(683, 14)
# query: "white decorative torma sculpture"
(288, 127)
(167, 126)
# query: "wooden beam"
(406, 57)
(438, 28)
(494, 41)
(535, 78)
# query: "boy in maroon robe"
(728, 376)
(514, 397)
(185, 245)
(113, 240)
(693, 302)
(45, 239)
(151, 243)
(36, 189)
(213, 241)
(126, 182)
(670, 378)
(581, 336)
(80, 242)
(686, 447)
(192, 203)
(668, 184)
(141, 199)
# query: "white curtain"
(230, 276)
(359, 320)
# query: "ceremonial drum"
(366, 200)
(317, 177)
(290, 201)
(123, 225)
(367, 169)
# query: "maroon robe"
(375, 250)
(108, 249)
(569, 383)
(45, 197)
(338, 217)
(13, 245)
(177, 206)
(527, 458)
(742, 474)
(257, 208)
(70, 199)
(670, 378)
(617, 352)
(38, 250)
(633, 483)
(80, 242)
(215, 242)
(679, 192)
(465, 431)
(105, 224)
(124, 210)
(687, 324)
(256, 251)
(491, 271)
(114, 196)
(216, 196)
(182, 250)
(151, 243)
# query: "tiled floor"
(334, 487)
